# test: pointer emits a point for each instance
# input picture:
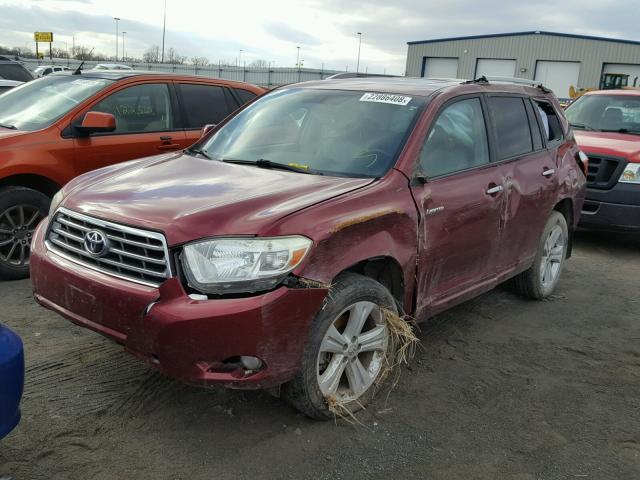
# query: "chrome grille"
(137, 255)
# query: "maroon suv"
(271, 251)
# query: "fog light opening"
(251, 363)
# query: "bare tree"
(80, 52)
(174, 57)
(200, 61)
(152, 54)
(60, 53)
(259, 64)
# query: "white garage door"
(630, 69)
(558, 76)
(491, 67)
(440, 67)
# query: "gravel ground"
(501, 388)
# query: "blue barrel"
(11, 380)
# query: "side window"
(245, 96)
(457, 141)
(536, 135)
(203, 104)
(511, 125)
(141, 108)
(550, 121)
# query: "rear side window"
(203, 104)
(550, 121)
(511, 126)
(245, 96)
(536, 135)
(457, 141)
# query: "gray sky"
(324, 29)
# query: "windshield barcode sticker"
(385, 98)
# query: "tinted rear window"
(511, 125)
(245, 95)
(203, 104)
(14, 71)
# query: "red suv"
(607, 128)
(274, 250)
(57, 127)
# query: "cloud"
(284, 32)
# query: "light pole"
(123, 54)
(359, 45)
(240, 57)
(164, 28)
(117, 20)
(298, 58)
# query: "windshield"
(39, 103)
(333, 132)
(608, 113)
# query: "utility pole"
(298, 59)
(359, 44)
(164, 27)
(240, 57)
(123, 55)
(117, 20)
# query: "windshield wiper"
(621, 130)
(263, 163)
(582, 126)
(199, 151)
(10, 127)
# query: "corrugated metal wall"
(526, 50)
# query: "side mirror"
(97, 122)
(207, 128)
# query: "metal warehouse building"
(558, 60)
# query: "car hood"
(189, 198)
(609, 143)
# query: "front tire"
(346, 354)
(21, 210)
(540, 280)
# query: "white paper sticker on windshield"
(385, 98)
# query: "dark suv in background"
(278, 249)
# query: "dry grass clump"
(403, 343)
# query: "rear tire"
(21, 210)
(540, 280)
(334, 346)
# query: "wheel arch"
(39, 183)
(385, 270)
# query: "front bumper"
(615, 209)
(190, 340)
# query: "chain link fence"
(264, 77)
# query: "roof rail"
(516, 80)
(357, 75)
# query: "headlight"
(631, 173)
(55, 203)
(235, 265)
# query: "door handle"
(169, 146)
(165, 138)
(548, 172)
(495, 190)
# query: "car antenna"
(78, 70)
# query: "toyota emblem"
(96, 243)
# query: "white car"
(8, 85)
(43, 70)
(112, 66)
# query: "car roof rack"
(516, 80)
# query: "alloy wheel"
(552, 257)
(352, 352)
(17, 224)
